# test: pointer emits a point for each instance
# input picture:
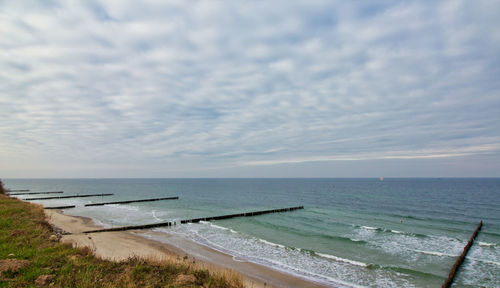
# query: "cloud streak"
(102, 85)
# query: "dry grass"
(25, 235)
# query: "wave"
(378, 229)
(124, 207)
(218, 227)
(214, 225)
(272, 244)
(411, 272)
(357, 263)
(403, 270)
(426, 219)
(154, 215)
(342, 239)
(487, 244)
(435, 253)
(303, 250)
(311, 234)
(484, 261)
(314, 253)
(274, 263)
(490, 233)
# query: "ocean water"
(352, 232)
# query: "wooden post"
(34, 193)
(72, 196)
(461, 258)
(196, 220)
(60, 207)
(132, 201)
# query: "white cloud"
(218, 84)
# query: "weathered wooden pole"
(133, 201)
(196, 220)
(461, 258)
(136, 227)
(72, 196)
(248, 214)
(60, 207)
(34, 193)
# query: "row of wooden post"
(447, 283)
(461, 258)
(196, 220)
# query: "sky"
(100, 88)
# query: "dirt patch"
(43, 280)
(13, 265)
(184, 279)
(17, 232)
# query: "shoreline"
(117, 246)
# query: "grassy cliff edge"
(32, 256)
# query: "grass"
(25, 235)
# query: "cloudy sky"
(249, 88)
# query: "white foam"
(369, 228)
(486, 244)
(397, 232)
(218, 227)
(271, 243)
(435, 253)
(100, 223)
(154, 215)
(235, 258)
(277, 264)
(484, 261)
(342, 259)
(124, 207)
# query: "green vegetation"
(31, 256)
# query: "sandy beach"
(118, 246)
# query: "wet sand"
(118, 246)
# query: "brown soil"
(13, 265)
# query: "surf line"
(461, 258)
(196, 220)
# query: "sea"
(393, 232)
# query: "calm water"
(352, 232)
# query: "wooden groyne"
(133, 201)
(18, 190)
(72, 196)
(34, 193)
(196, 220)
(124, 228)
(60, 207)
(461, 258)
(248, 214)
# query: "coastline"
(117, 246)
